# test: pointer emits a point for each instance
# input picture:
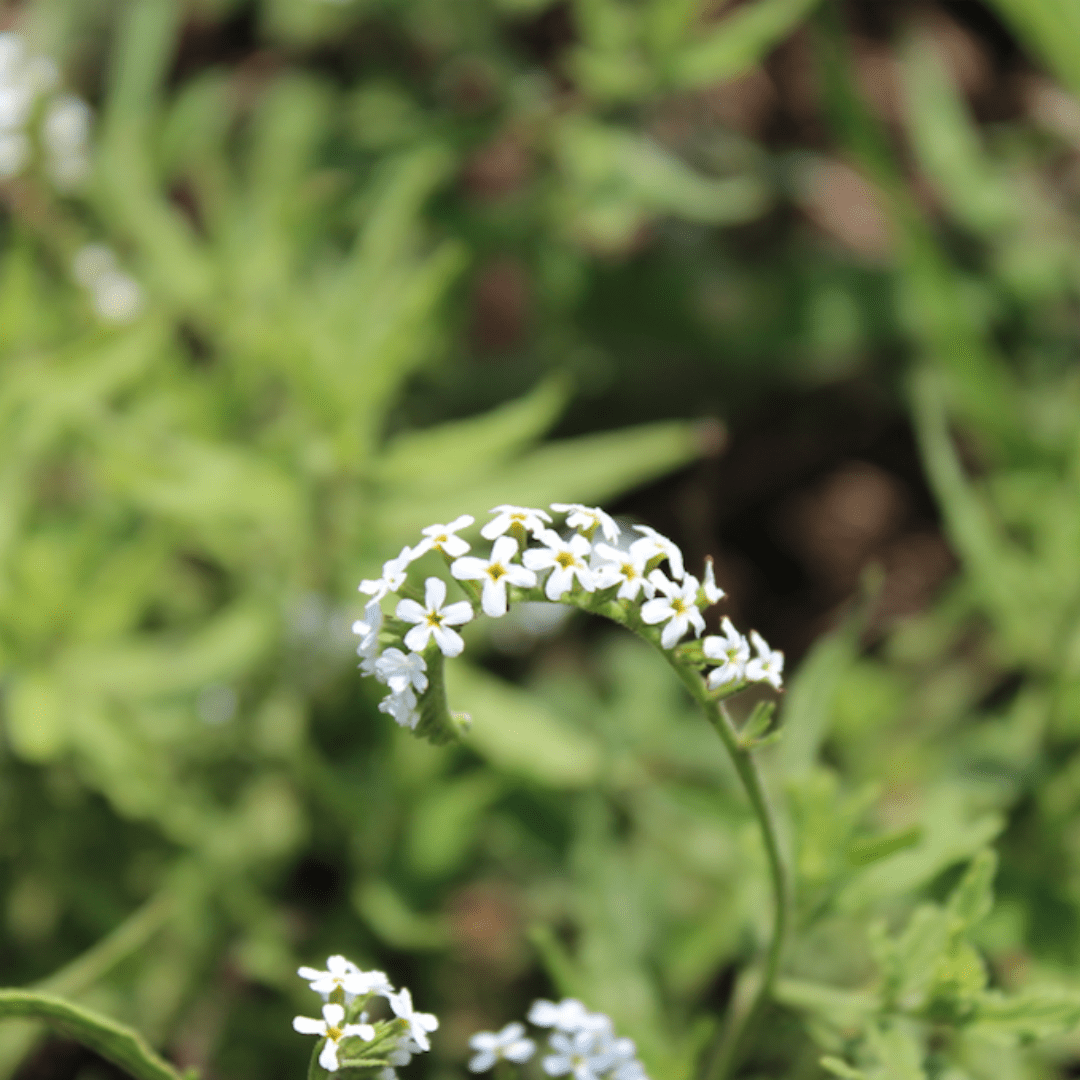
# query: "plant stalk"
(725, 1056)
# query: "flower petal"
(308, 1025)
(410, 611)
(469, 568)
(457, 614)
(493, 600)
(450, 642)
(328, 1056)
(434, 593)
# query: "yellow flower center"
(678, 606)
(628, 571)
(434, 618)
(566, 560)
(333, 1034)
(496, 571)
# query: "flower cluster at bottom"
(350, 1038)
(594, 564)
(582, 1044)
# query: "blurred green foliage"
(197, 794)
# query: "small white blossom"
(400, 671)
(334, 1029)
(623, 568)
(533, 521)
(442, 538)
(568, 1015)
(565, 559)
(588, 519)
(394, 572)
(768, 665)
(419, 1023)
(582, 1054)
(496, 573)
(731, 650)
(434, 619)
(402, 1054)
(402, 707)
(713, 593)
(492, 1046)
(368, 629)
(661, 545)
(344, 974)
(677, 607)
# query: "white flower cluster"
(115, 295)
(582, 1044)
(346, 990)
(28, 90)
(597, 557)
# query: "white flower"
(442, 538)
(568, 1015)
(434, 619)
(565, 559)
(402, 707)
(496, 573)
(630, 1070)
(334, 1029)
(394, 572)
(346, 975)
(582, 1054)
(713, 593)
(661, 545)
(368, 630)
(768, 665)
(400, 671)
(533, 521)
(733, 652)
(419, 1023)
(676, 607)
(623, 568)
(588, 519)
(493, 1046)
(402, 1054)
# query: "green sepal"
(437, 724)
(753, 733)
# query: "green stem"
(113, 1041)
(740, 1024)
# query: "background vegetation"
(795, 282)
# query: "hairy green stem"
(725, 1056)
(113, 1041)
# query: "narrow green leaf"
(739, 42)
(1052, 29)
(516, 734)
(113, 1041)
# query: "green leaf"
(971, 900)
(36, 711)
(435, 456)
(516, 734)
(1052, 29)
(592, 468)
(867, 850)
(738, 42)
(841, 1069)
(395, 922)
(445, 822)
(113, 1041)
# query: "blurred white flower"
(768, 665)
(506, 1045)
(732, 650)
(442, 538)
(419, 1023)
(400, 671)
(661, 545)
(507, 517)
(588, 519)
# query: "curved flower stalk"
(348, 1037)
(637, 579)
